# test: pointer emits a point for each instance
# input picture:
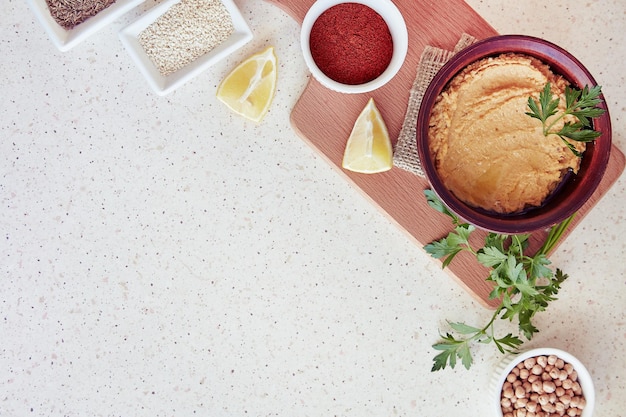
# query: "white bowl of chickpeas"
(543, 382)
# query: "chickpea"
(527, 386)
(567, 384)
(536, 370)
(577, 389)
(520, 392)
(548, 408)
(549, 387)
(581, 402)
(552, 359)
(542, 361)
(521, 403)
(554, 373)
(524, 373)
(529, 363)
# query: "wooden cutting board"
(324, 119)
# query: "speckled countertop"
(163, 257)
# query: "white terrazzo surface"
(162, 257)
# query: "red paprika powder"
(351, 43)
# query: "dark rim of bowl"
(573, 193)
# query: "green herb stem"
(555, 234)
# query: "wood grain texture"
(324, 119)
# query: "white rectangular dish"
(164, 84)
(65, 39)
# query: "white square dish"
(65, 39)
(164, 84)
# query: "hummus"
(486, 149)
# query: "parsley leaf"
(491, 256)
(582, 104)
(438, 205)
(451, 245)
(547, 105)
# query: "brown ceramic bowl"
(573, 192)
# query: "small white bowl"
(510, 361)
(161, 84)
(65, 39)
(397, 27)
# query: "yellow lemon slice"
(249, 89)
(369, 149)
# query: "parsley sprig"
(581, 104)
(524, 284)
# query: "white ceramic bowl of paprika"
(399, 37)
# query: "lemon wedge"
(249, 89)
(369, 149)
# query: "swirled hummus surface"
(486, 149)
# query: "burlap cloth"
(405, 154)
